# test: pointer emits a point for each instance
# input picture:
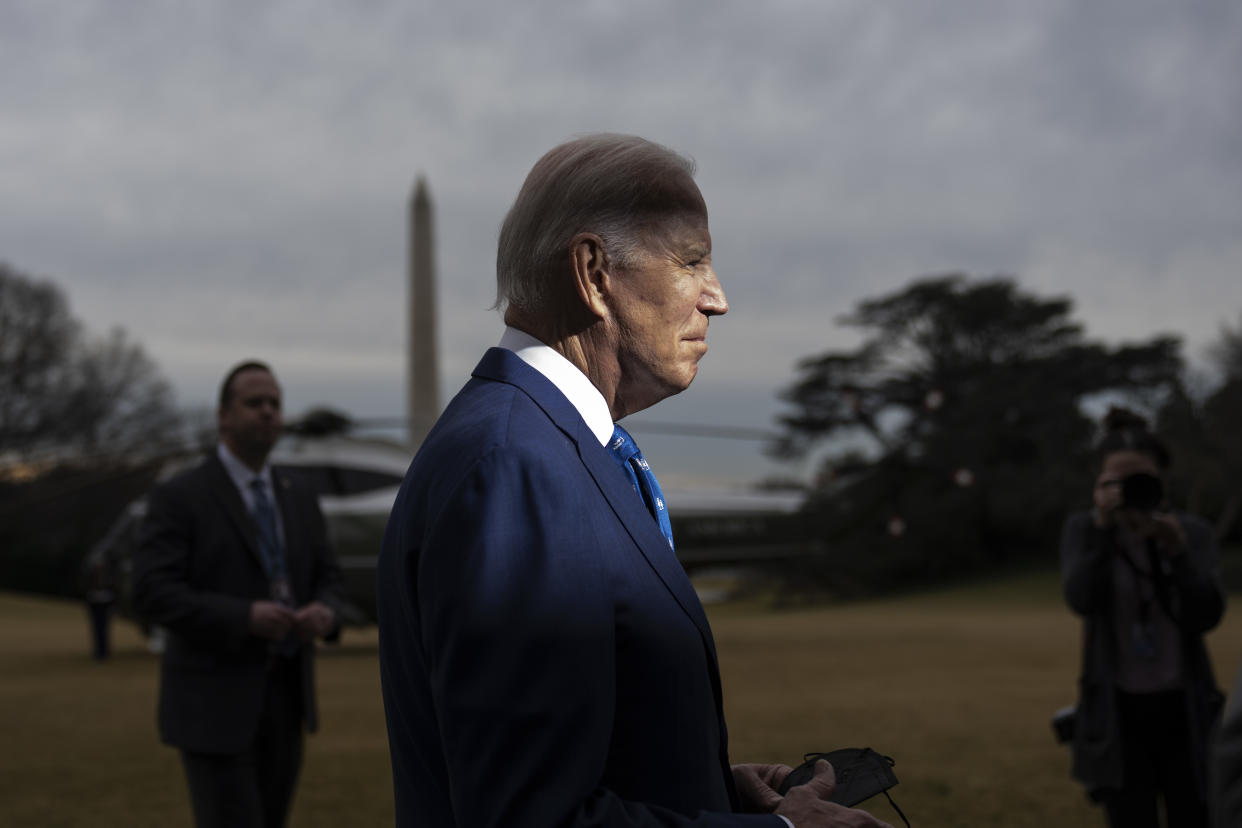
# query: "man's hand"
(314, 620)
(269, 619)
(757, 784)
(807, 806)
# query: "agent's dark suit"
(197, 570)
(545, 660)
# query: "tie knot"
(622, 444)
(625, 451)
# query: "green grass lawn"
(957, 685)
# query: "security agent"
(234, 563)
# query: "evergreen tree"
(960, 423)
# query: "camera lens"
(1142, 492)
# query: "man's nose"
(712, 301)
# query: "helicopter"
(356, 478)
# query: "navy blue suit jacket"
(545, 660)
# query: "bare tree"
(65, 394)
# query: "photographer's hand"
(1161, 527)
(1166, 530)
(1107, 498)
(1133, 522)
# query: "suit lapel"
(504, 366)
(630, 509)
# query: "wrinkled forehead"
(677, 231)
(677, 195)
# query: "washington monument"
(422, 360)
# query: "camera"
(1141, 492)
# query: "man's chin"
(692, 371)
(683, 382)
(264, 444)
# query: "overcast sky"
(229, 179)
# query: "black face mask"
(861, 774)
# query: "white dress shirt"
(243, 477)
(562, 373)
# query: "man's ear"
(592, 272)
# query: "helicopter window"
(319, 479)
(354, 481)
(332, 480)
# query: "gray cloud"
(230, 179)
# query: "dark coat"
(1198, 601)
(196, 572)
(545, 660)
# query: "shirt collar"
(570, 381)
(240, 473)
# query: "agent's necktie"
(273, 559)
(269, 543)
(625, 451)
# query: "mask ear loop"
(895, 808)
(887, 796)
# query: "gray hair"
(615, 186)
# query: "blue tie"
(269, 544)
(625, 451)
(273, 560)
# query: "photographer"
(1145, 581)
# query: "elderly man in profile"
(545, 660)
